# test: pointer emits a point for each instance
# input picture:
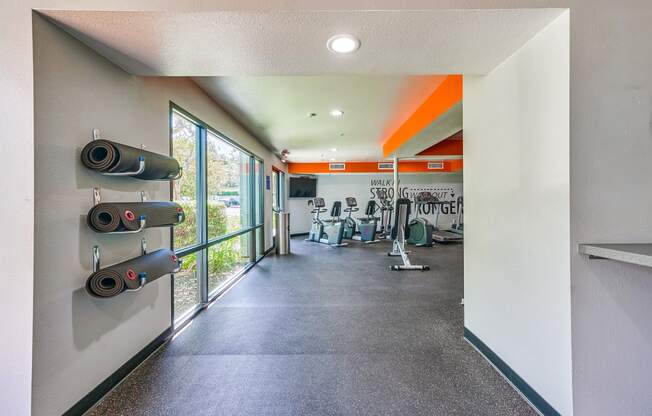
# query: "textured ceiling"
(270, 69)
(276, 110)
(293, 42)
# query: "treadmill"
(458, 225)
(444, 236)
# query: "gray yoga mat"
(111, 157)
(113, 280)
(125, 216)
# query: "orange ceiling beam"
(445, 96)
(407, 166)
(452, 146)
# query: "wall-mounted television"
(303, 187)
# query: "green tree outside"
(224, 176)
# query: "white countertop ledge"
(640, 254)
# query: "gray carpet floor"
(326, 331)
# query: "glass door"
(281, 191)
(275, 206)
(278, 197)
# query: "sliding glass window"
(222, 194)
(226, 259)
(229, 180)
(185, 191)
(259, 207)
(185, 142)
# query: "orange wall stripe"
(441, 100)
(372, 167)
(457, 165)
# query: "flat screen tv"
(303, 187)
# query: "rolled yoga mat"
(111, 157)
(113, 280)
(125, 216)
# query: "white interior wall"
(17, 260)
(516, 179)
(79, 340)
(362, 187)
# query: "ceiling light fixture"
(343, 44)
(333, 149)
(337, 113)
(284, 155)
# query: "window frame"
(204, 243)
(252, 157)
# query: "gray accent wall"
(80, 340)
(611, 202)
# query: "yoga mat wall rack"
(131, 217)
(116, 278)
(115, 159)
(110, 158)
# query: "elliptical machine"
(420, 228)
(400, 232)
(386, 209)
(326, 231)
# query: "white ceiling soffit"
(294, 42)
(440, 129)
(276, 108)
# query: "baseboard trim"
(88, 401)
(98, 393)
(531, 395)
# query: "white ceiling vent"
(386, 166)
(435, 165)
(336, 166)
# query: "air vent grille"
(336, 166)
(436, 165)
(386, 166)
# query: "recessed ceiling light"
(343, 43)
(337, 113)
(333, 149)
